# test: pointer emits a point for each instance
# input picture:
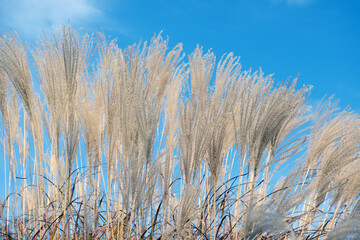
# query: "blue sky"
(317, 39)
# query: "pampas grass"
(145, 143)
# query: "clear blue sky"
(318, 39)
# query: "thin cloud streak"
(29, 18)
(293, 2)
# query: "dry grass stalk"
(140, 143)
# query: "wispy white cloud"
(293, 2)
(30, 17)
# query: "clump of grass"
(143, 143)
